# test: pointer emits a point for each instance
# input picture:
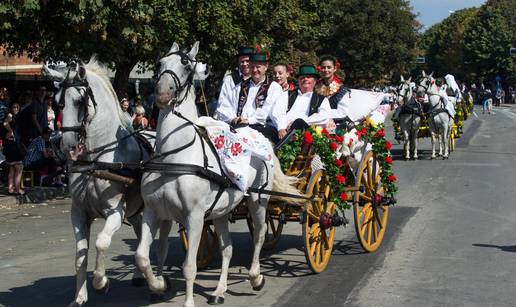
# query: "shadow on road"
(504, 248)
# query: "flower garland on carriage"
(340, 174)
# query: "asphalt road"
(450, 241)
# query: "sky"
(433, 11)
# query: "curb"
(32, 195)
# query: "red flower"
(359, 134)
(258, 48)
(392, 178)
(268, 55)
(325, 132)
(307, 138)
(339, 139)
(388, 160)
(236, 148)
(363, 130)
(343, 196)
(380, 133)
(338, 162)
(388, 145)
(350, 142)
(341, 179)
(291, 87)
(219, 142)
(333, 146)
(318, 68)
(337, 64)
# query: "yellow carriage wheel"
(370, 216)
(207, 246)
(317, 237)
(451, 144)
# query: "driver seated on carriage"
(252, 100)
(304, 106)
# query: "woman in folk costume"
(330, 85)
(281, 74)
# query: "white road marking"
(509, 114)
(475, 113)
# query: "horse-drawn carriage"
(319, 215)
(183, 177)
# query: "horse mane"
(95, 67)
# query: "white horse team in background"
(409, 118)
(439, 119)
(92, 116)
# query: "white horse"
(409, 118)
(186, 196)
(92, 118)
(439, 121)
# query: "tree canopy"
(372, 38)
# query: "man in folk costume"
(252, 100)
(304, 106)
(234, 77)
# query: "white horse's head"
(176, 72)
(404, 90)
(75, 99)
(426, 81)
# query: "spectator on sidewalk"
(139, 120)
(40, 156)
(39, 113)
(51, 115)
(13, 150)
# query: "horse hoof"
(260, 286)
(103, 290)
(167, 284)
(138, 282)
(215, 300)
(75, 304)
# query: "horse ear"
(52, 74)
(409, 79)
(195, 49)
(81, 72)
(174, 48)
(431, 75)
(423, 73)
(402, 79)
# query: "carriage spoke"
(367, 186)
(366, 222)
(317, 253)
(369, 230)
(377, 217)
(365, 197)
(312, 215)
(324, 237)
(369, 173)
(375, 232)
(272, 226)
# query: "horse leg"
(440, 137)
(414, 144)
(164, 231)
(258, 213)
(136, 222)
(113, 223)
(149, 228)
(433, 137)
(406, 140)
(194, 228)
(226, 248)
(446, 141)
(81, 229)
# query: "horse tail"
(285, 184)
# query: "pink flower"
(219, 142)
(236, 148)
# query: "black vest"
(261, 95)
(235, 75)
(315, 101)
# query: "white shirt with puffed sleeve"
(227, 110)
(300, 109)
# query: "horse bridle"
(175, 78)
(85, 98)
